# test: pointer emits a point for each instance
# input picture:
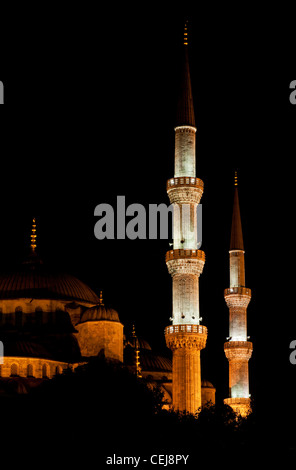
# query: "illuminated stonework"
(186, 341)
(185, 262)
(96, 336)
(31, 367)
(185, 151)
(241, 406)
(237, 297)
(185, 190)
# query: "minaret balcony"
(241, 406)
(185, 181)
(185, 190)
(237, 290)
(186, 329)
(192, 337)
(237, 296)
(185, 261)
(179, 254)
(238, 350)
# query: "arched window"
(50, 319)
(59, 370)
(14, 370)
(39, 316)
(45, 373)
(30, 371)
(18, 318)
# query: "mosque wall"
(95, 336)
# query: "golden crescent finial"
(101, 302)
(33, 236)
(186, 33)
(235, 179)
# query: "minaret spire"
(185, 108)
(238, 349)
(236, 239)
(186, 336)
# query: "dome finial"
(101, 301)
(235, 179)
(186, 33)
(137, 353)
(33, 236)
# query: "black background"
(90, 100)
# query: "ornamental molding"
(193, 342)
(186, 129)
(185, 266)
(237, 299)
(185, 194)
(238, 350)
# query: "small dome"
(155, 362)
(137, 341)
(99, 312)
(207, 384)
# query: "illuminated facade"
(185, 262)
(238, 349)
(50, 322)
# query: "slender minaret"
(237, 349)
(185, 337)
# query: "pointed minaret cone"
(185, 108)
(236, 239)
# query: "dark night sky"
(90, 103)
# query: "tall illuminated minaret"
(238, 349)
(185, 262)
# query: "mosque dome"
(99, 312)
(39, 283)
(134, 341)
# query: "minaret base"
(186, 341)
(241, 406)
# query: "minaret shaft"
(237, 268)
(185, 299)
(187, 387)
(185, 151)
